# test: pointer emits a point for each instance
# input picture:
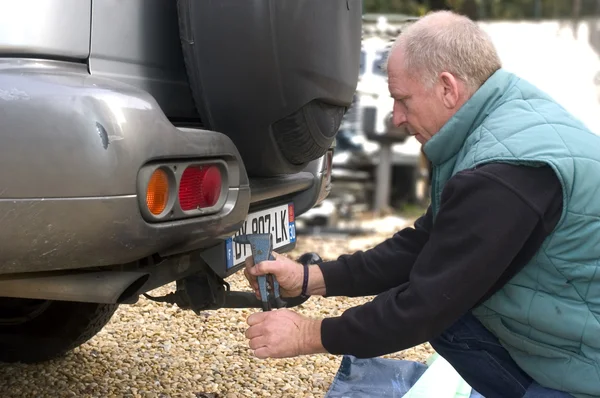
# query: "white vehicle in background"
(357, 155)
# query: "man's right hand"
(289, 274)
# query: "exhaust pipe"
(104, 287)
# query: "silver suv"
(138, 137)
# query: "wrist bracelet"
(305, 282)
(307, 259)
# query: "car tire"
(50, 330)
(278, 124)
(308, 133)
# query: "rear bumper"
(72, 233)
(72, 149)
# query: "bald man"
(501, 273)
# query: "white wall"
(549, 55)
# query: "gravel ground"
(154, 350)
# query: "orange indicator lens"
(157, 194)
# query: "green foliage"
(490, 9)
(409, 7)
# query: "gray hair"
(444, 41)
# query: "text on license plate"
(279, 221)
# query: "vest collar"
(449, 140)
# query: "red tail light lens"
(200, 187)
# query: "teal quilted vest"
(548, 315)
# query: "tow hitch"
(205, 290)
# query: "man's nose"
(398, 117)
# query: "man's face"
(423, 110)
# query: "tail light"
(199, 187)
(157, 192)
(176, 190)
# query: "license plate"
(279, 221)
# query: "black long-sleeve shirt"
(492, 220)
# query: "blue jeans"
(482, 362)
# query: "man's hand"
(289, 274)
(283, 333)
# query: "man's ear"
(450, 90)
